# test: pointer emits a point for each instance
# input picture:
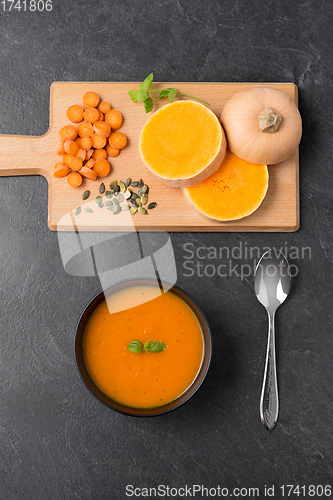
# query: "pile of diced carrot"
(85, 148)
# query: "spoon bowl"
(271, 284)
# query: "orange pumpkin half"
(234, 191)
(182, 143)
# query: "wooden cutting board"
(26, 155)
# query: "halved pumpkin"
(234, 191)
(182, 143)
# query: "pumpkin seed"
(134, 196)
(140, 184)
(102, 188)
(101, 205)
(138, 200)
(116, 189)
(108, 203)
(133, 203)
(127, 194)
(86, 195)
(122, 186)
(128, 182)
(112, 207)
(152, 205)
(143, 190)
(144, 199)
(88, 210)
(113, 184)
(120, 198)
(116, 202)
(142, 211)
(133, 210)
(125, 208)
(77, 211)
(135, 184)
(117, 211)
(108, 194)
(98, 200)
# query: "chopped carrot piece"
(61, 170)
(71, 147)
(85, 129)
(104, 107)
(67, 159)
(82, 154)
(89, 154)
(84, 143)
(68, 132)
(118, 140)
(98, 142)
(102, 128)
(91, 115)
(76, 164)
(60, 150)
(112, 151)
(90, 100)
(102, 168)
(90, 163)
(114, 118)
(99, 154)
(88, 173)
(101, 117)
(74, 179)
(75, 113)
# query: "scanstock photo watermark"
(201, 491)
(238, 261)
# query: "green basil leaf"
(132, 94)
(135, 346)
(172, 95)
(141, 95)
(156, 346)
(146, 345)
(146, 84)
(148, 103)
(163, 93)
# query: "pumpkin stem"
(269, 120)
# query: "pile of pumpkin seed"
(121, 197)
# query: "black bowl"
(137, 412)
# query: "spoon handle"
(269, 401)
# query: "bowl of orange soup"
(141, 350)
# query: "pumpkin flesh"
(182, 143)
(234, 191)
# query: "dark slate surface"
(56, 441)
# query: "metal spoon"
(272, 285)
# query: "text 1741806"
(26, 5)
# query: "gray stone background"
(56, 440)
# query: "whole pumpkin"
(262, 124)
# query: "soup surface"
(145, 379)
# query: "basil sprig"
(153, 346)
(142, 94)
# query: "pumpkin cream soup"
(143, 379)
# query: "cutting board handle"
(24, 155)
